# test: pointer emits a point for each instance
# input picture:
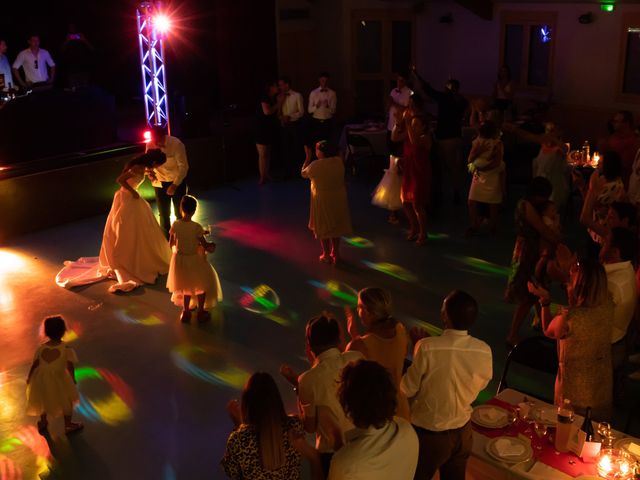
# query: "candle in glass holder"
(614, 464)
(595, 159)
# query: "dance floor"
(153, 391)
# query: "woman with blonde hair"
(583, 332)
(261, 446)
(386, 341)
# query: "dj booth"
(50, 123)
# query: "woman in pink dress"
(413, 129)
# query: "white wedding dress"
(134, 247)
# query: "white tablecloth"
(377, 137)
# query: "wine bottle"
(587, 426)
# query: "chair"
(536, 353)
(360, 151)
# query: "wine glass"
(527, 415)
(541, 429)
(604, 431)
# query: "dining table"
(376, 133)
(546, 463)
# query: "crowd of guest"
(358, 399)
(34, 67)
(355, 399)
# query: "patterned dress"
(526, 254)
(585, 373)
(242, 461)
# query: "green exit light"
(607, 7)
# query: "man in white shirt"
(617, 254)
(34, 61)
(169, 178)
(320, 410)
(291, 113)
(5, 68)
(446, 376)
(322, 107)
(398, 102)
(381, 447)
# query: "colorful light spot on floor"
(395, 271)
(9, 470)
(30, 448)
(147, 320)
(10, 262)
(336, 294)
(262, 299)
(358, 242)
(437, 236)
(481, 266)
(209, 365)
(114, 407)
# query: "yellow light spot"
(113, 410)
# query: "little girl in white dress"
(51, 387)
(190, 273)
(387, 193)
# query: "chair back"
(536, 353)
(359, 144)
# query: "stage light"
(147, 136)
(162, 23)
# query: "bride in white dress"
(134, 248)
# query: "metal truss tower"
(154, 77)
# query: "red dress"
(416, 174)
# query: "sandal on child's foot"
(185, 316)
(411, 236)
(421, 241)
(42, 427)
(324, 259)
(204, 316)
(73, 427)
(335, 259)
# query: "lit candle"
(605, 464)
(624, 467)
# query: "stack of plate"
(490, 416)
(509, 450)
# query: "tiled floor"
(154, 390)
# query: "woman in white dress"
(134, 248)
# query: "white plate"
(526, 455)
(479, 417)
(622, 445)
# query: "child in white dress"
(51, 385)
(190, 274)
(387, 193)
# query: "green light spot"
(607, 7)
(83, 373)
